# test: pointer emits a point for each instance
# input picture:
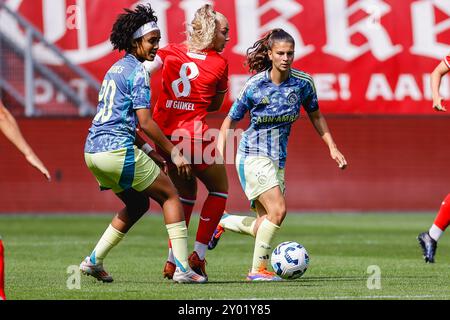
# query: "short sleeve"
(140, 89)
(310, 102)
(222, 86)
(447, 60)
(241, 105)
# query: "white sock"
(110, 238)
(178, 236)
(263, 244)
(200, 248)
(435, 232)
(170, 257)
(239, 224)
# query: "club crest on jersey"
(292, 98)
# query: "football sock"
(442, 219)
(239, 224)
(200, 248)
(2, 273)
(435, 232)
(178, 236)
(263, 241)
(188, 206)
(110, 238)
(210, 216)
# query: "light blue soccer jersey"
(272, 110)
(125, 88)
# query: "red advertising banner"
(366, 56)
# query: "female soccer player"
(110, 154)
(428, 240)
(194, 83)
(273, 98)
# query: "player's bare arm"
(11, 130)
(436, 76)
(152, 130)
(320, 124)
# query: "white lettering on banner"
(58, 18)
(54, 18)
(249, 28)
(45, 92)
(405, 86)
(425, 29)
(333, 87)
(339, 30)
(326, 86)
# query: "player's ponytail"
(202, 29)
(257, 55)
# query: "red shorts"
(201, 154)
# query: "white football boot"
(95, 270)
(188, 276)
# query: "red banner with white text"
(366, 56)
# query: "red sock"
(2, 273)
(188, 206)
(210, 216)
(443, 217)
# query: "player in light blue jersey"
(113, 158)
(272, 97)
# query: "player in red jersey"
(194, 83)
(428, 240)
(9, 127)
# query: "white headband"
(146, 28)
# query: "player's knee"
(279, 213)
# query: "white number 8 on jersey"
(184, 79)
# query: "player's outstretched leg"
(428, 240)
(216, 237)
(236, 223)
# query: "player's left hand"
(337, 156)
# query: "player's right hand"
(183, 166)
(438, 105)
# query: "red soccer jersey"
(189, 82)
(447, 60)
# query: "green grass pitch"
(40, 249)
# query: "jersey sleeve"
(310, 102)
(241, 105)
(447, 60)
(222, 86)
(140, 89)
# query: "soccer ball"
(289, 260)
